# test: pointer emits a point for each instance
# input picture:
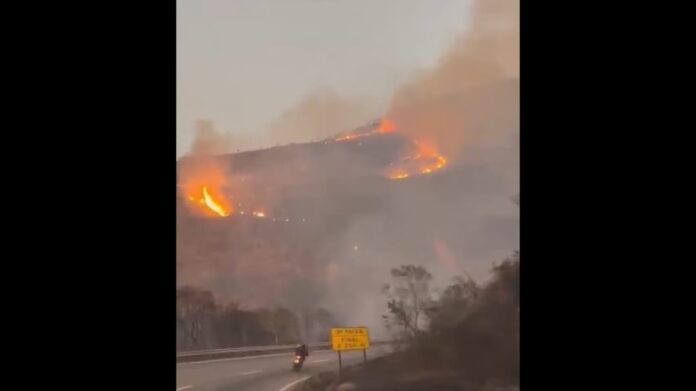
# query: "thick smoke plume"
(319, 115)
(471, 97)
(467, 106)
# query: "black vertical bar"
(365, 356)
(339, 362)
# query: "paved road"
(261, 373)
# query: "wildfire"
(211, 203)
(426, 161)
(351, 136)
(385, 126)
(203, 182)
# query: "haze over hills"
(321, 223)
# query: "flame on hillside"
(424, 160)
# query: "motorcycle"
(297, 363)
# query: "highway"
(271, 372)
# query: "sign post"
(349, 338)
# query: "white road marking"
(251, 372)
(287, 386)
(184, 387)
(326, 359)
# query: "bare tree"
(281, 323)
(409, 298)
(194, 308)
(269, 321)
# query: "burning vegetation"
(206, 180)
(423, 160)
(210, 203)
(385, 125)
(203, 182)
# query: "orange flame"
(426, 161)
(209, 204)
(203, 181)
(350, 136)
(212, 204)
(386, 126)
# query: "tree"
(505, 287)
(269, 322)
(455, 304)
(477, 328)
(228, 325)
(409, 298)
(279, 322)
(195, 308)
(473, 329)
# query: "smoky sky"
(244, 63)
(347, 225)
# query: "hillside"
(333, 222)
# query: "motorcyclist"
(301, 350)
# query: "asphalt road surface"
(271, 372)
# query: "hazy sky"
(241, 63)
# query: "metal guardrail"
(228, 350)
(216, 354)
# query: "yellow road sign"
(349, 338)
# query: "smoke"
(207, 141)
(471, 97)
(210, 141)
(206, 167)
(467, 107)
(345, 229)
(321, 114)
